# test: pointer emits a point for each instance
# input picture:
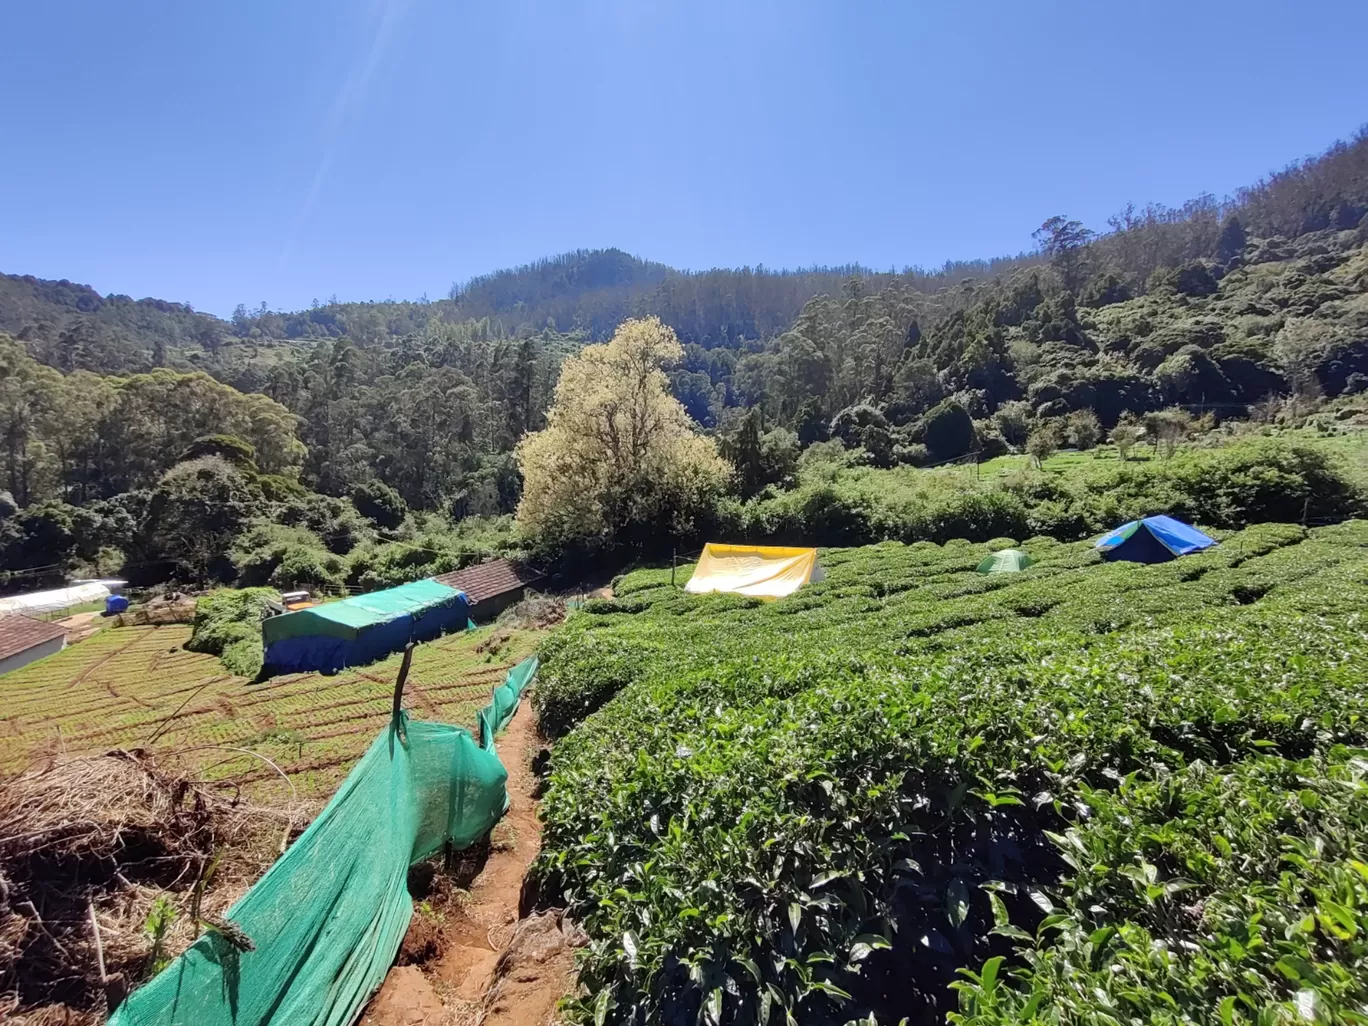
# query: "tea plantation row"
(1087, 793)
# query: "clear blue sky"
(282, 150)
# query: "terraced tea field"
(133, 687)
(1092, 793)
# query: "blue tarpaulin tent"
(361, 629)
(1153, 540)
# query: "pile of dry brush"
(535, 612)
(87, 847)
(162, 610)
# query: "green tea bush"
(1086, 792)
(228, 624)
(1255, 481)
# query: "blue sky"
(278, 151)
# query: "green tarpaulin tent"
(361, 629)
(1008, 561)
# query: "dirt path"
(467, 957)
(81, 626)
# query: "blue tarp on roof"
(362, 629)
(1153, 540)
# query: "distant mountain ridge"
(72, 326)
(588, 292)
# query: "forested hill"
(594, 290)
(193, 432)
(73, 327)
(1213, 306)
(590, 292)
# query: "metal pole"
(674, 553)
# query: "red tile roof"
(485, 580)
(20, 633)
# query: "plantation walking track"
(472, 960)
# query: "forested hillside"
(1171, 321)
(73, 327)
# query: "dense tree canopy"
(411, 411)
(80, 436)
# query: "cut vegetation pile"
(1083, 793)
(158, 612)
(536, 612)
(91, 851)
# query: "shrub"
(1126, 434)
(1084, 429)
(912, 454)
(1043, 441)
(1245, 483)
(439, 547)
(987, 442)
(379, 503)
(1013, 420)
(1262, 481)
(336, 522)
(948, 431)
(306, 566)
(228, 624)
(261, 549)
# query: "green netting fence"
(326, 920)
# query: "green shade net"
(327, 918)
(1007, 561)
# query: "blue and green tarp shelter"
(1153, 540)
(361, 629)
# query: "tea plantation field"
(129, 687)
(1086, 793)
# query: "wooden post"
(674, 553)
(399, 692)
(99, 946)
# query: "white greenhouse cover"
(61, 598)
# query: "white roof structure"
(60, 598)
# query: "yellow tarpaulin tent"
(764, 571)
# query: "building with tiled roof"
(492, 586)
(24, 639)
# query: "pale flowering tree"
(619, 455)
